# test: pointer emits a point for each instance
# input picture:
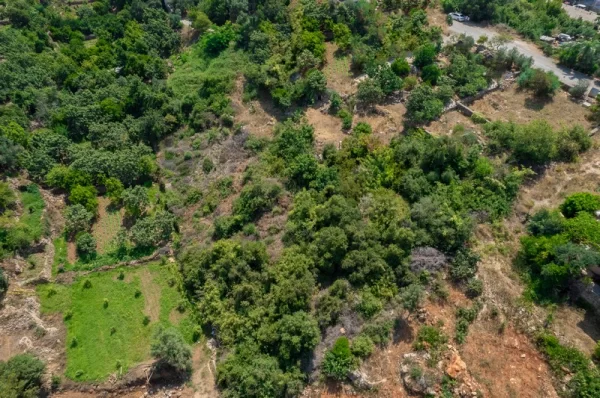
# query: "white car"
(581, 6)
(457, 16)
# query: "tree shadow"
(590, 324)
(537, 103)
(403, 332)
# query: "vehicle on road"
(581, 6)
(457, 16)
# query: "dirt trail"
(204, 365)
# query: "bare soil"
(520, 106)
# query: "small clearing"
(519, 106)
(106, 331)
(337, 70)
(107, 226)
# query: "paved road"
(575, 12)
(565, 75)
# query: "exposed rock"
(456, 368)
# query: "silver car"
(457, 16)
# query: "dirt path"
(203, 378)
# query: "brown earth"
(337, 71)
(519, 106)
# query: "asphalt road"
(565, 75)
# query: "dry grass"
(107, 226)
(519, 106)
(337, 70)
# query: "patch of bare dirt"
(519, 106)
(328, 128)
(386, 120)
(203, 376)
(448, 121)
(256, 116)
(506, 364)
(71, 252)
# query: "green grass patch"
(192, 68)
(33, 206)
(105, 321)
(60, 254)
(107, 227)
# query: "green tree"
(85, 196)
(86, 245)
(342, 36)
(77, 219)
(425, 55)
(135, 200)
(21, 376)
(541, 83)
(580, 202)
(369, 92)
(169, 348)
(401, 67)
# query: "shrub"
(87, 284)
(401, 67)
(105, 303)
(578, 91)
(379, 331)
(346, 119)
(545, 222)
(430, 338)
(369, 305)
(21, 376)
(543, 84)
(410, 83)
(362, 347)
(478, 118)
(430, 74)
(339, 360)
(207, 165)
(169, 348)
(580, 202)
(474, 288)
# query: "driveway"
(565, 75)
(575, 13)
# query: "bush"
(369, 92)
(86, 245)
(369, 305)
(169, 348)
(207, 165)
(580, 202)
(545, 222)
(401, 67)
(430, 338)
(21, 376)
(478, 118)
(346, 119)
(362, 347)
(543, 84)
(474, 288)
(339, 360)
(85, 196)
(430, 74)
(410, 83)
(578, 91)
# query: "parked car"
(581, 6)
(564, 37)
(457, 16)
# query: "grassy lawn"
(60, 254)
(106, 338)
